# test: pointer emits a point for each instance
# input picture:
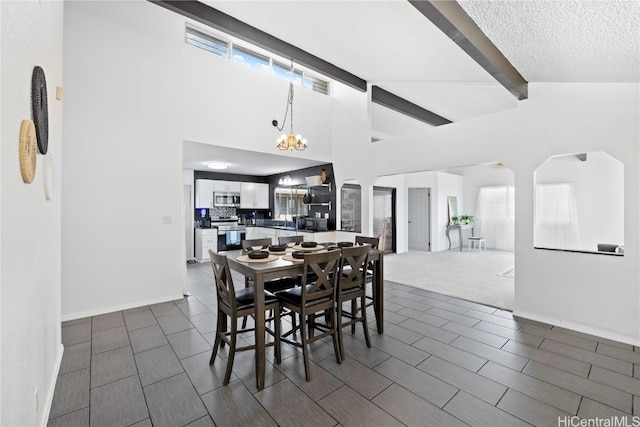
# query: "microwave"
(226, 199)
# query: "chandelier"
(291, 141)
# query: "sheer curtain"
(496, 212)
(556, 217)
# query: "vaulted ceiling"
(396, 46)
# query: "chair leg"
(232, 350)
(365, 327)
(311, 325)
(305, 351)
(337, 336)
(293, 323)
(354, 309)
(277, 328)
(216, 343)
(244, 319)
(337, 324)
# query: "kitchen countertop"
(281, 227)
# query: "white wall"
(30, 35)
(125, 138)
(123, 242)
(475, 177)
(588, 292)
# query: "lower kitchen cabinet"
(206, 238)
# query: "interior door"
(187, 213)
(418, 217)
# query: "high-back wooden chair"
(315, 296)
(290, 239)
(374, 242)
(250, 244)
(236, 304)
(352, 288)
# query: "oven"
(230, 237)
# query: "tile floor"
(442, 361)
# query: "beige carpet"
(485, 277)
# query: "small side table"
(458, 227)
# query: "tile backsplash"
(222, 212)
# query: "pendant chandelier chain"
(291, 141)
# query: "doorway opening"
(384, 217)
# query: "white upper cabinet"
(261, 196)
(254, 195)
(226, 186)
(204, 193)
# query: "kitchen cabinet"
(287, 233)
(206, 238)
(204, 193)
(264, 232)
(226, 186)
(254, 195)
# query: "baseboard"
(52, 388)
(67, 317)
(578, 328)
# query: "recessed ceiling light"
(217, 165)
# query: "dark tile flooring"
(442, 361)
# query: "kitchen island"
(273, 232)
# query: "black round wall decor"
(39, 108)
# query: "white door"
(419, 236)
(187, 212)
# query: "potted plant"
(455, 220)
(467, 219)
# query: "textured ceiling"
(564, 41)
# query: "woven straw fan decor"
(27, 150)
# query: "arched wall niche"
(579, 203)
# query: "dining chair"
(314, 296)
(374, 242)
(290, 239)
(235, 304)
(250, 244)
(274, 285)
(351, 288)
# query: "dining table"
(261, 272)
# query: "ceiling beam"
(401, 105)
(451, 18)
(214, 18)
(221, 21)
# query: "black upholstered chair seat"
(294, 295)
(281, 284)
(245, 297)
